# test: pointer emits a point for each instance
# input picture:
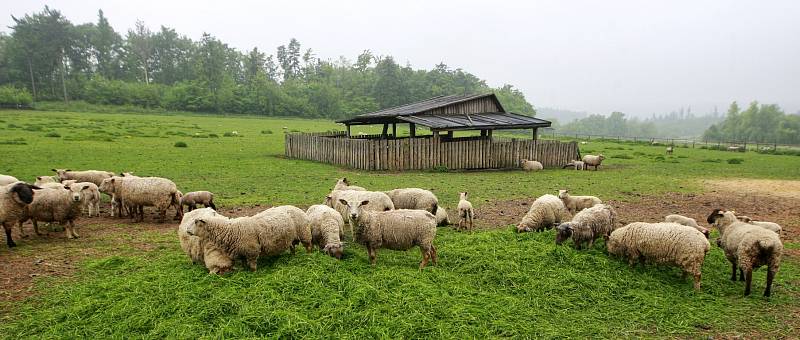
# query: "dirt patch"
(764, 187)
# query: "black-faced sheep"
(192, 199)
(326, 229)
(592, 160)
(577, 203)
(588, 225)
(465, 212)
(547, 211)
(14, 199)
(414, 198)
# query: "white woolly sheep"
(41, 180)
(91, 197)
(326, 229)
(531, 165)
(378, 201)
(395, 229)
(465, 212)
(198, 251)
(663, 243)
(6, 180)
(766, 225)
(14, 199)
(111, 188)
(414, 198)
(546, 211)
(588, 225)
(138, 192)
(60, 205)
(192, 199)
(747, 247)
(577, 203)
(577, 165)
(344, 184)
(687, 221)
(441, 217)
(51, 185)
(93, 176)
(592, 160)
(669, 150)
(298, 219)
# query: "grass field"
(489, 283)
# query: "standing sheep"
(747, 247)
(588, 225)
(414, 198)
(766, 225)
(687, 221)
(111, 186)
(6, 180)
(545, 212)
(465, 212)
(378, 201)
(577, 203)
(91, 197)
(298, 219)
(666, 243)
(199, 251)
(14, 199)
(192, 199)
(669, 150)
(60, 205)
(395, 229)
(441, 217)
(139, 192)
(326, 229)
(344, 184)
(41, 180)
(592, 160)
(93, 176)
(531, 165)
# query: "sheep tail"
(766, 247)
(434, 208)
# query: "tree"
(106, 47)
(140, 45)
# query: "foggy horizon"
(636, 58)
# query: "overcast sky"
(638, 57)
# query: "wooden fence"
(427, 152)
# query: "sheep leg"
(9, 240)
(371, 252)
(211, 204)
(425, 257)
(252, 263)
(741, 275)
(591, 243)
(35, 227)
(770, 277)
(733, 271)
(68, 230)
(21, 230)
(434, 255)
(748, 279)
(309, 247)
(697, 277)
(72, 229)
(191, 207)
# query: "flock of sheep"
(398, 219)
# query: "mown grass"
(488, 284)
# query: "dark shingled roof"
(476, 121)
(422, 106)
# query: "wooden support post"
(436, 134)
(385, 130)
(394, 130)
(348, 130)
(535, 133)
(483, 133)
(412, 130)
(490, 133)
(450, 134)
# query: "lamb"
(344, 184)
(110, 187)
(766, 225)
(326, 229)
(545, 212)
(669, 150)
(414, 198)
(592, 160)
(246, 237)
(531, 165)
(41, 180)
(202, 252)
(747, 247)
(577, 203)
(665, 243)
(441, 217)
(687, 221)
(465, 211)
(137, 192)
(395, 229)
(6, 180)
(91, 197)
(93, 176)
(61, 205)
(14, 199)
(588, 225)
(298, 219)
(378, 201)
(577, 165)
(192, 199)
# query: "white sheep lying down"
(414, 198)
(577, 203)
(547, 211)
(531, 165)
(201, 251)
(344, 184)
(687, 221)
(6, 180)
(772, 226)
(94, 176)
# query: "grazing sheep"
(14, 199)
(545, 212)
(60, 205)
(687, 221)
(192, 199)
(747, 247)
(138, 192)
(246, 237)
(414, 198)
(441, 217)
(344, 184)
(298, 219)
(531, 165)
(577, 165)
(378, 201)
(326, 229)
(465, 212)
(395, 229)
(93, 176)
(669, 150)
(592, 160)
(206, 253)
(41, 180)
(588, 225)
(664, 243)
(577, 203)
(6, 180)
(766, 225)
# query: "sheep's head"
(69, 182)
(613, 246)
(45, 179)
(721, 218)
(125, 174)
(354, 208)
(563, 232)
(61, 173)
(522, 162)
(463, 195)
(342, 183)
(334, 249)
(107, 186)
(77, 192)
(329, 201)
(601, 157)
(197, 228)
(563, 193)
(521, 229)
(22, 193)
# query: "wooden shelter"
(442, 116)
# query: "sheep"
(137, 192)
(465, 211)
(592, 160)
(665, 243)
(378, 201)
(93, 176)
(766, 225)
(6, 180)
(14, 199)
(588, 225)
(202, 252)
(192, 199)
(61, 205)
(577, 203)
(326, 229)
(441, 217)
(52, 185)
(41, 180)
(395, 229)
(577, 165)
(669, 150)
(545, 212)
(246, 237)
(91, 197)
(687, 221)
(110, 187)
(531, 165)
(747, 247)
(414, 198)
(344, 184)
(297, 219)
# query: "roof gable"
(424, 106)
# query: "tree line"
(50, 58)
(758, 123)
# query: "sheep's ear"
(343, 201)
(39, 177)
(54, 170)
(364, 202)
(68, 170)
(112, 180)
(66, 187)
(85, 187)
